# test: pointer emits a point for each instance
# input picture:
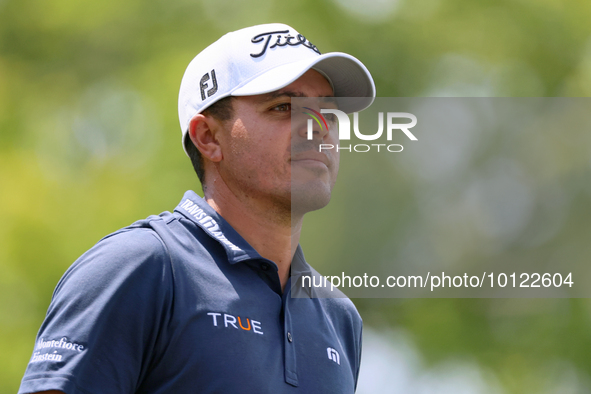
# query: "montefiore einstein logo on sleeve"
(53, 349)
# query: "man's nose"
(311, 125)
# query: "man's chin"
(309, 198)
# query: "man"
(198, 300)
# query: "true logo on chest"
(225, 320)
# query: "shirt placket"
(289, 338)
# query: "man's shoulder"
(344, 311)
(307, 282)
(149, 237)
(137, 247)
(338, 303)
(148, 244)
(127, 267)
(334, 301)
(138, 239)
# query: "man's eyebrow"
(289, 93)
(284, 93)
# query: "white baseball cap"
(262, 59)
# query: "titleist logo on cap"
(282, 38)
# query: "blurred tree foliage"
(90, 142)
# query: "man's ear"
(202, 131)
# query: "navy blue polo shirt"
(181, 303)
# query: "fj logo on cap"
(203, 85)
(282, 38)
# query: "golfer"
(199, 300)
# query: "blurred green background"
(90, 142)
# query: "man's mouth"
(311, 156)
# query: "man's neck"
(273, 233)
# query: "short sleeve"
(103, 325)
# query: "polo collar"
(300, 269)
(196, 209)
(299, 266)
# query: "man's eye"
(282, 107)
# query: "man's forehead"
(310, 84)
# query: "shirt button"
(264, 266)
(289, 338)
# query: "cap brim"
(348, 76)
